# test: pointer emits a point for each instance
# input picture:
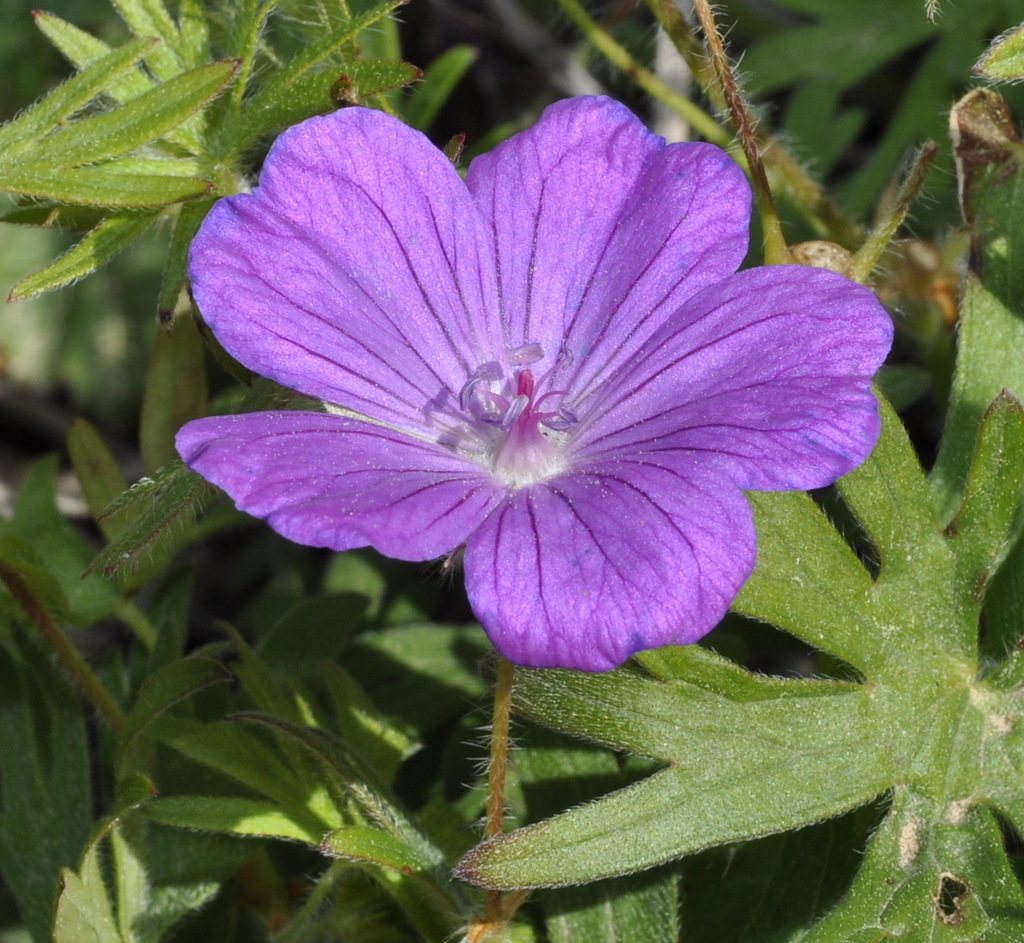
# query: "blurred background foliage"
(849, 89)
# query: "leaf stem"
(69, 656)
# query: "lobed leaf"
(150, 18)
(927, 877)
(82, 49)
(889, 496)
(802, 565)
(737, 769)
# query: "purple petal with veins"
(555, 364)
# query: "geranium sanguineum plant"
(554, 363)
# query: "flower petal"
(602, 229)
(358, 272)
(766, 375)
(586, 570)
(327, 481)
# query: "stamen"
(518, 434)
(515, 410)
(527, 354)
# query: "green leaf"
(175, 392)
(312, 633)
(889, 496)
(102, 185)
(940, 877)
(244, 756)
(361, 843)
(776, 887)
(274, 103)
(45, 792)
(142, 120)
(368, 77)
(638, 908)
(231, 814)
(1003, 61)
(553, 772)
(429, 896)
(441, 660)
(1004, 608)
(737, 769)
(21, 134)
(194, 30)
(803, 563)
(55, 544)
(190, 217)
(82, 49)
(990, 343)
(168, 686)
(98, 474)
(992, 496)
(384, 742)
(150, 18)
(85, 913)
(836, 45)
(19, 554)
(110, 237)
(162, 508)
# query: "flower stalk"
(498, 906)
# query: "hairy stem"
(867, 256)
(69, 656)
(775, 249)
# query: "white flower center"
(523, 427)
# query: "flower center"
(521, 424)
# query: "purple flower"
(553, 363)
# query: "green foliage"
(208, 734)
(175, 135)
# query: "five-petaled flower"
(554, 363)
